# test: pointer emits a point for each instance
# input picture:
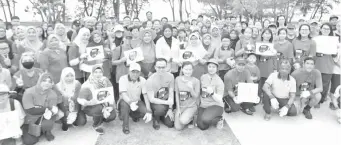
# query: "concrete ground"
(241, 129)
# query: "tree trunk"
(116, 6)
(92, 7)
(64, 13)
(99, 9)
(180, 9)
(172, 7)
(126, 6)
(3, 9)
(321, 14)
(13, 7)
(85, 8)
(9, 8)
(187, 12)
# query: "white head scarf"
(62, 38)
(66, 89)
(197, 48)
(34, 45)
(78, 40)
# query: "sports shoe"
(267, 117)
(307, 114)
(253, 109)
(191, 124)
(247, 111)
(156, 124)
(49, 136)
(100, 130)
(220, 124)
(126, 130)
(65, 127)
(332, 106)
(136, 119)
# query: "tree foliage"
(134, 7)
(49, 10)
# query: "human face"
(225, 42)
(149, 16)
(98, 74)
(134, 75)
(39, 31)
(304, 31)
(157, 25)
(285, 69)
(266, 36)
(167, 33)
(160, 67)
(194, 40)
(258, 25)
(45, 26)
(207, 40)
(273, 30)
(309, 65)
(266, 24)
(248, 33)
(240, 67)
(199, 24)
(291, 31)
(181, 26)
(15, 22)
(149, 25)
(282, 35)
(20, 34)
(244, 25)
(182, 34)
(50, 30)
(325, 30)
(333, 21)
(60, 31)
(89, 24)
(215, 32)
(187, 70)
(46, 84)
(2, 33)
(233, 35)
(281, 20)
(119, 34)
(99, 26)
(136, 22)
(147, 37)
(204, 30)
(175, 32)
(54, 43)
(250, 24)
(238, 27)
(31, 34)
(212, 68)
(255, 33)
(69, 78)
(164, 21)
(135, 33)
(85, 37)
(97, 38)
(126, 21)
(208, 23)
(252, 59)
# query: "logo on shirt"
(184, 95)
(305, 86)
(163, 93)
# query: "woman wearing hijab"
(216, 37)
(167, 47)
(53, 59)
(27, 76)
(148, 49)
(68, 91)
(76, 52)
(198, 52)
(116, 37)
(60, 31)
(234, 36)
(101, 109)
(40, 104)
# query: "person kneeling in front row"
(130, 104)
(279, 92)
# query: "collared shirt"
(233, 77)
(132, 88)
(218, 88)
(281, 88)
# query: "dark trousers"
(326, 78)
(260, 86)
(9, 141)
(282, 102)
(209, 116)
(97, 115)
(159, 113)
(125, 111)
(236, 107)
(46, 125)
(335, 82)
(79, 120)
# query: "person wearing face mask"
(224, 55)
(211, 98)
(279, 92)
(76, 52)
(148, 49)
(132, 86)
(167, 47)
(68, 91)
(309, 85)
(100, 109)
(53, 59)
(9, 105)
(40, 104)
(160, 92)
(231, 79)
(187, 91)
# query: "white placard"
(95, 53)
(9, 125)
(247, 92)
(104, 95)
(134, 55)
(265, 49)
(326, 44)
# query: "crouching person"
(68, 91)
(211, 102)
(336, 100)
(309, 85)
(10, 109)
(40, 104)
(97, 99)
(279, 92)
(130, 104)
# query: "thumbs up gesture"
(19, 81)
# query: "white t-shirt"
(281, 88)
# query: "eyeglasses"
(304, 29)
(160, 67)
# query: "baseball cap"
(272, 25)
(118, 28)
(134, 66)
(76, 22)
(240, 60)
(291, 26)
(314, 21)
(214, 61)
(333, 16)
(4, 88)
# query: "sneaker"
(220, 124)
(267, 117)
(156, 124)
(100, 130)
(136, 119)
(65, 127)
(331, 106)
(247, 111)
(253, 109)
(49, 136)
(307, 114)
(125, 130)
(317, 106)
(191, 124)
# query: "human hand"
(54, 110)
(283, 111)
(274, 103)
(48, 114)
(133, 106)
(209, 90)
(19, 81)
(305, 94)
(83, 56)
(147, 117)
(170, 114)
(71, 117)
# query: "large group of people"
(188, 76)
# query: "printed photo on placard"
(134, 55)
(9, 125)
(186, 55)
(104, 95)
(326, 44)
(95, 53)
(265, 49)
(250, 48)
(248, 92)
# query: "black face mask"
(28, 65)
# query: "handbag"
(35, 129)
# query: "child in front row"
(224, 55)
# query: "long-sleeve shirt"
(54, 61)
